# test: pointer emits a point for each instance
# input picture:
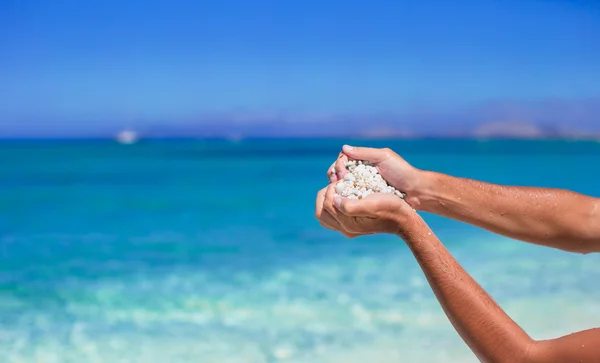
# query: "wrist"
(410, 225)
(425, 196)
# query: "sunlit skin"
(550, 217)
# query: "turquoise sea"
(208, 251)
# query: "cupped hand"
(325, 218)
(392, 167)
(377, 213)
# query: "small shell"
(362, 180)
(339, 188)
(400, 194)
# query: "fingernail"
(337, 201)
(347, 148)
(332, 178)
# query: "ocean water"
(208, 251)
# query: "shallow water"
(205, 251)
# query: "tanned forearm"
(552, 217)
(482, 324)
(490, 333)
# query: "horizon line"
(595, 138)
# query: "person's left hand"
(377, 213)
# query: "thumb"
(350, 207)
(365, 153)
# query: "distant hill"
(369, 128)
(543, 119)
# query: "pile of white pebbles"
(362, 180)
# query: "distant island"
(545, 119)
(369, 129)
(549, 119)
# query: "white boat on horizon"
(127, 137)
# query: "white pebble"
(362, 180)
(339, 188)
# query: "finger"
(320, 199)
(329, 222)
(324, 217)
(328, 206)
(366, 153)
(328, 216)
(350, 235)
(328, 201)
(339, 227)
(344, 223)
(331, 174)
(347, 222)
(319, 208)
(351, 207)
(319, 203)
(340, 166)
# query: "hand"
(392, 167)
(377, 213)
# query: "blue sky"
(73, 63)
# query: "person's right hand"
(392, 167)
